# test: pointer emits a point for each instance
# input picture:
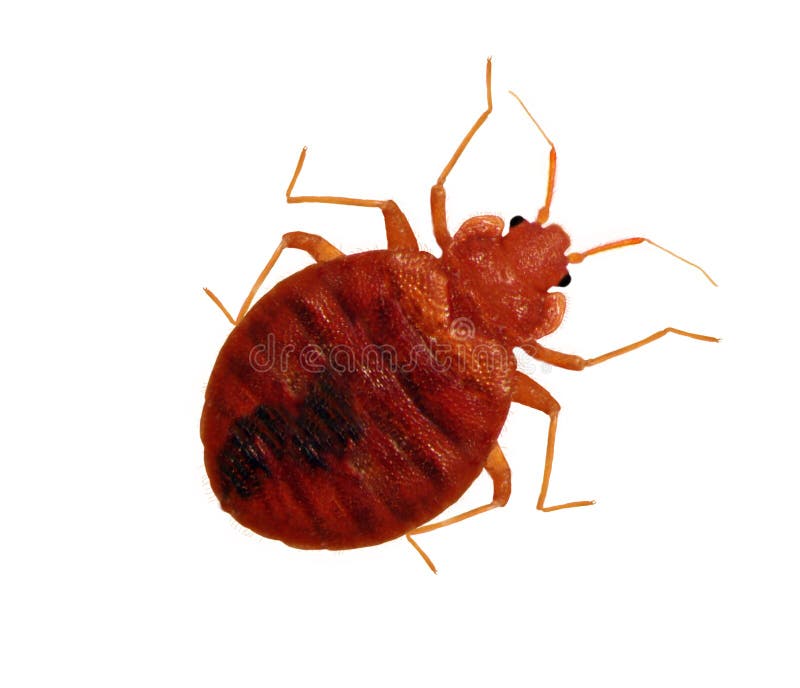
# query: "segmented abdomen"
(336, 415)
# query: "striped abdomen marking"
(324, 426)
(363, 448)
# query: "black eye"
(516, 220)
(565, 280)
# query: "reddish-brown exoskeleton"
(361, 397)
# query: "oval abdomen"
(337, 417)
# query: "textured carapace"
(347, 407)
(361, 397)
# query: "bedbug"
(361, 396)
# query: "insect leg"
(438, 214)
(319, 249)
(399, 234)
(497, 468)
(530, 393)
(572, 362)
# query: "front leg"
(572, 362)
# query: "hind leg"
(498, 470)
(319, 249)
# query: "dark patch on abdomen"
(316, 436)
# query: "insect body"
(362, 396)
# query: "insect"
(361, 397)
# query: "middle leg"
(399, 234)
(530, 393)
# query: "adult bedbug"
(361, 397)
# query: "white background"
(144, 152)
